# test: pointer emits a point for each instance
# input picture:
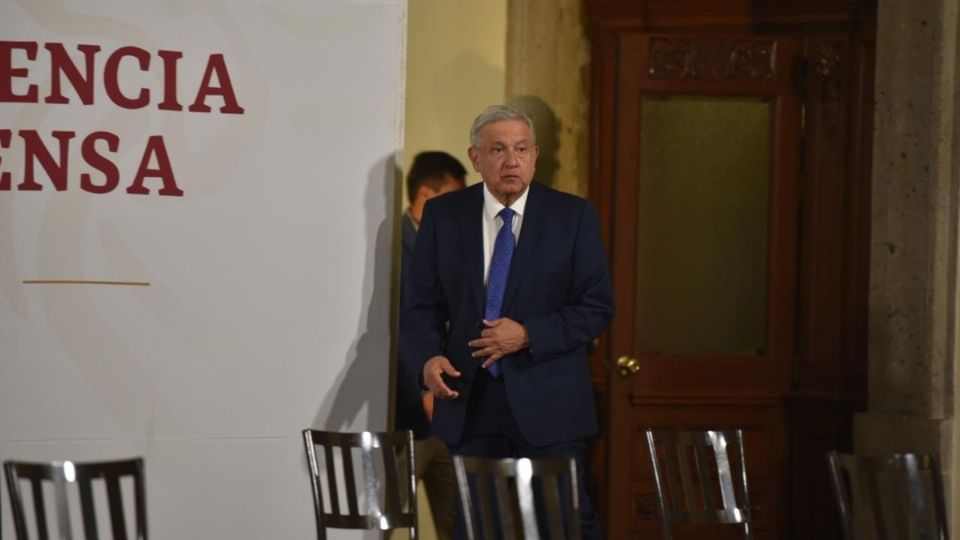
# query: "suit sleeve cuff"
(540, 339)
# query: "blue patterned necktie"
(499, 270)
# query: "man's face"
(506, 158)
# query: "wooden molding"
(709, 59)
(828, 65)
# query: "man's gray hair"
(497, 113)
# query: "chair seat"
(700, 478)
(76, 481)
(518, 498)
(894, 497)
(378, 489)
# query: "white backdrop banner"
(196, 219)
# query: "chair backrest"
(518, 498)
(63, 476)
(898, 496)
(700, 478)
(362, 480)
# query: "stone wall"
(548, 77)
(913, 267)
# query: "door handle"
(628, 365)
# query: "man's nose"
(512, 160)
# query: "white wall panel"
(269, 297)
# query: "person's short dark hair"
(431, 169)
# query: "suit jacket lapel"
(471, 230)
(530, 231)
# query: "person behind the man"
(431, 174)
(509, 285)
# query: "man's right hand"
(433, 372)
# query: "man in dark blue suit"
(431, 174)
(501, 317)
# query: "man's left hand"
(426, 399)
(501, 337)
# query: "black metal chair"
(690, 470)
(381, 494)
(893, 497)
(518, 498)
(64, 475)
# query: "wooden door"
(730, 167)
(704, 257)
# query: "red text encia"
(18, 61)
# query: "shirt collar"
(413, 222)
(492, 207)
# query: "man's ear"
(424, 192)
(474, 158)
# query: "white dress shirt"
(492, 223)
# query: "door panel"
(758, 421)
(704, 247)
(702, 213)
